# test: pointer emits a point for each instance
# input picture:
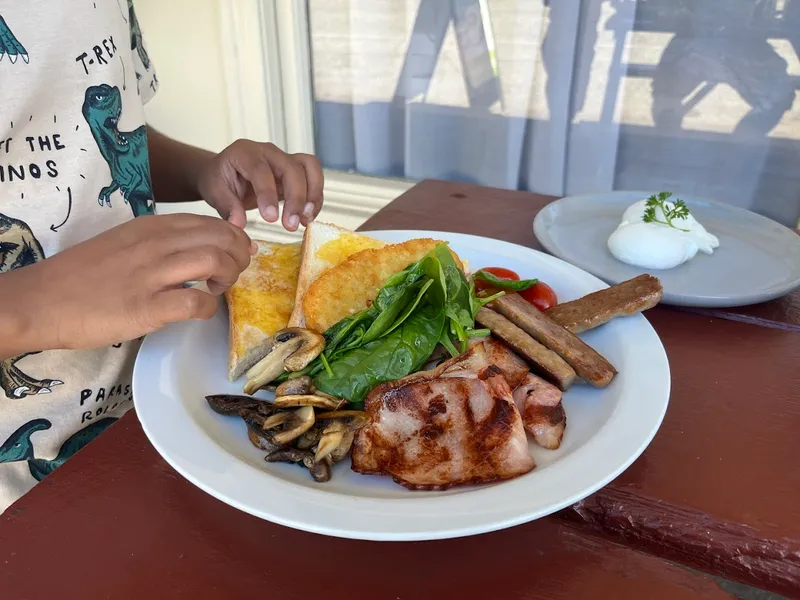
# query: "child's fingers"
(315, 181)
(251, 165)
(292, 181)
(228, 204)
(209, 263)
(203, 231)
(173, 306)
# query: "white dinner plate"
(606, 429)
(757, 260)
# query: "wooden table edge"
(730, 550)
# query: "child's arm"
(121, 284)
(244, 176)
(175, 167)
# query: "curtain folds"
(565, 97)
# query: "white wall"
(183, 40)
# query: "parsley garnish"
(679, 210)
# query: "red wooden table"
(717, 491)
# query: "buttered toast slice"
(324, 247)
(260, 303)
(352, 285)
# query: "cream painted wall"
(183, 40)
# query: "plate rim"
(421, 529)
(670, 298)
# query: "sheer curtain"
(557, 97)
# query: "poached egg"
(658, 245)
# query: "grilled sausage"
(588, 364)
(627, 298)
(546, 362)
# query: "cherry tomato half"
(498, 272)
(540, 295)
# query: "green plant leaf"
(391, 357)
(505, 284)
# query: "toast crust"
(260, 302)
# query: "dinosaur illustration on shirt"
(19, 248)
(19, 446)
(125, 152)
(9, 44)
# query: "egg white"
(656, 245)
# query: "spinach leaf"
(390, 312)
(373, 322)
(345, 332)
(411, 306)
(432, 268)
(505, 284)
(446, 341)
(459, 307)
(391, 357)
(457, 331)
(457, 284)
(394, 287)
(475, 302)
(353, 336)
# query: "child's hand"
(250, 174)
(123, 283)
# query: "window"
(556, 97)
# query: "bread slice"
(352, 285)
(260, 302)
(324, 247)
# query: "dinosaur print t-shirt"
(74, 76)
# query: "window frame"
(267, 62)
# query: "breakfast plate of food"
(406, 385)
(705, 253)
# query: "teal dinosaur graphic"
(19, 248)
(124, 151)
(19, 446)
(136, 37)
(9, 44)
(41, 468)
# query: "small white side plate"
(757, 260)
